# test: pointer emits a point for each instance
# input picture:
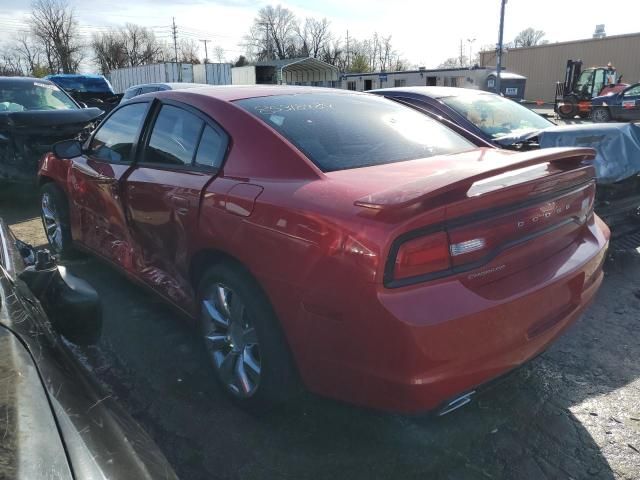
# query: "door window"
(211, 148)
(174, 137)
(147, 90)
(116, 136)
(633, 92)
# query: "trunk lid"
(500, 212)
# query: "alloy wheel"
(51, 221)
(600, 116)
(231, 340)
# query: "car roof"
(75, 75)
(434, 92)
(18, 80)
(230, 93)
(171, 85)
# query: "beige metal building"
(544, 65)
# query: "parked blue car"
(623, 106)
(88, 89)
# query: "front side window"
(114, 140)
(174, 137)
(496, 116)
(584, 81)
(341, 131)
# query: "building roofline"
(431, 70)
(569, 42)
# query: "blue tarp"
(617, 144)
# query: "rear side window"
(174, 137)
(115, 138)
(338, 131)
(211, 148)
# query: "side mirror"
(83, 105)
(71, 304)
(67, 149)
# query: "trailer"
(512, 85)
(212, 73)
(209, 73)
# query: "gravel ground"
(573, 413)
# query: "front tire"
(601, 115)
(54, 212)
(242, 336)
(569, 109)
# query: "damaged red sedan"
(334, 239)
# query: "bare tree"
(188, 51)
(313, 36)
(385, 53)
(131, 45)
(529, 37)
(11, 64)
(141, 46)
(454, 62)
(54, 26)
(29, 52)
(109, 51)
(333, 54)
(273, 33)
(219, 53)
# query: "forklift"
(573, 96)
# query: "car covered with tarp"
(35, 114)
(617, 163)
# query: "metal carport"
(297, 71)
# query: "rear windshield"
(341, 131)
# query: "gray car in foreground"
(55, 422)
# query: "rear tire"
(601, 115)
(243, 339)
(54, 212)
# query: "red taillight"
(422, 255)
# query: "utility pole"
(206, 55)
(174, 32)
(206, 59)
(470, 40)
(267, 39)
(348, 58)
(500, 46)
(461, 54)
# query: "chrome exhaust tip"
(456, 403)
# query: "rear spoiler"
(461, 177)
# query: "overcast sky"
(424, 32)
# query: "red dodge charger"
(334, 239)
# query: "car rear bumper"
(415, 349)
